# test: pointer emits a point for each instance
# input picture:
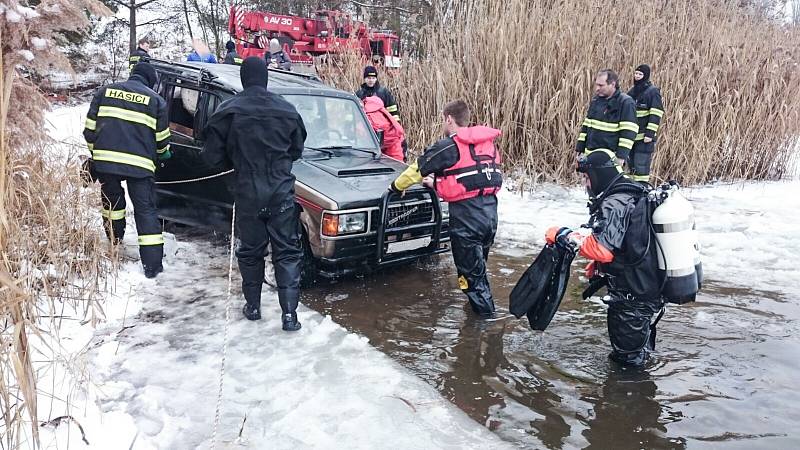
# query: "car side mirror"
(380, 136)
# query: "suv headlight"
(445, 209)
(342, 224)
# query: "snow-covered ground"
(152, 367)
(319, 388)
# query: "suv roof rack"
(180, 69)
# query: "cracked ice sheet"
(321, 387)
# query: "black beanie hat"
(370, 71)
(254, 72)
(602, 169)
(147, 73)
(645, 69)
(230, 46)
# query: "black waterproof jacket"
(232, 58)
(610, 124)
(127, 127)
(260, 134)
(382, 93)
(136, 56)
(649, 111)
(620, 221)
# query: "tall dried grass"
(729, 78)
(50, 248)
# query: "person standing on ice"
(260, 134)
(466, 168)
(201, 53)
(649, 111)
(619, 243)
(610, 122)
(141, 52)
(275, 56)
(231, 56)
(127, 130)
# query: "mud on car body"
(350, 221)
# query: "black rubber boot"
(252, 279)
(288, 299)
(251, 312)
(152, 272)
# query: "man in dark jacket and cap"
(231, 56)
(608, 241)
(127, 130)
(260, 134)
(649, 112)
(372, 87)
(141, 52)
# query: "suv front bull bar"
(383, 230)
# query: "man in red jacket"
(465, 166)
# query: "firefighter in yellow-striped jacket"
(649, 111)
(610, 124)
(127, 130)
(141, 52)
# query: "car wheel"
(308, 269)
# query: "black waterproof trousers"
(631, 328)
(142, 192)
(641, 159)
(279, 227)
(473, 224)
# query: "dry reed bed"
(730, 81)
(52, 257)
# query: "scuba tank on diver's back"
(676, 244)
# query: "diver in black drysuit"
(614, 198)
(261, 135)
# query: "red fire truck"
(303, 39)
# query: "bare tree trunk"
(214, 28)
(132, 20)
(200, 19)
(188, 23)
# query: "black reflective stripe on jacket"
(610, 124)
(126, 128)
(382, 93)
(649, 112)
(136, 56)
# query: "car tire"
(308, 270)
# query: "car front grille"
(401, 215)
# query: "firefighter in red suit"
(388, 128)
(465, 171)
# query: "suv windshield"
(333, 122)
